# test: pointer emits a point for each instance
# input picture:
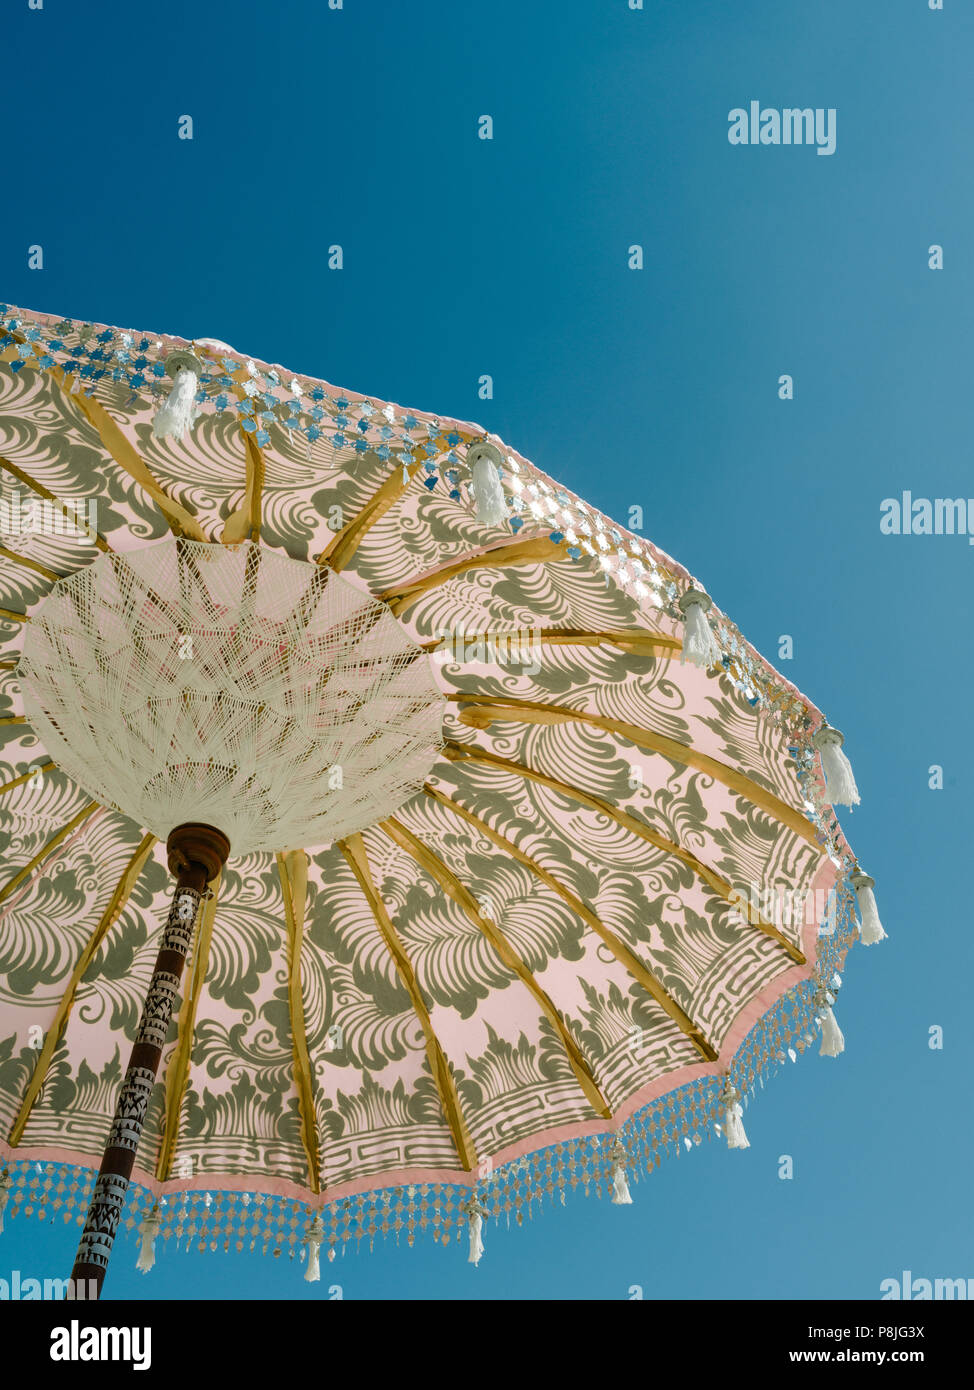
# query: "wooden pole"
(196, 855)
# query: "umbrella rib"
(464, 899)
(246, 519)
(55, 1032)
(177, 1072)
(531, 551)
(117, 443)
(353, 848)
(616, 945)
(293, 870)
(11, 616)
(481, 710)
(639, 641)
(26, 776)
(30, 564)
(98, 541)
(460, 753)
(123, 451)
(52, 844)
(339, 551)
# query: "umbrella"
(393, 842)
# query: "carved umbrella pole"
(196, 855)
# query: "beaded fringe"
(679, 1121)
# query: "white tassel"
(840, 784)
(214, 345)
(6, 1183)
(832, 1040)
(148, 1230)
(312, 1273)
(871, 931)
(488, 493)
(733, 1122)
(621, 1196)
(699, 644)
(475, 1224)
(177, 413)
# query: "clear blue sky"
(657, 388)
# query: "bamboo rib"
(357, 859)
(29, 564)
(293, 870)
(616, 945)
(41, 491)
(532, 551)
(54, 1034)
(635, 640)
(177, 1072)
(458, 753)
(123, 451)
(26, 776)
(246, 520)
(464, 899)
(52, 844)
(339, 551)
(479, 711)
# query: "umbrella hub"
(233, 685)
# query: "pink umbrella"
(499, 862)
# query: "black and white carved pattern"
(157, 1014)
(182, 918)
(133, 1102)
(107, 1201)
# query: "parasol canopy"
(534, 869)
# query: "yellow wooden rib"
(29, 564)
(117, 443)
(25, 777)
(635, 640)
(616, 945)
(339, 551)
(44, 492)
(55, 1032)
(52, 844)
(451, 885)
(177, 1072)
(533, 551)
(479, 711)
(357, 859)
(293, 870)
(246, 520)
(458, 753)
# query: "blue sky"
(656, 387)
